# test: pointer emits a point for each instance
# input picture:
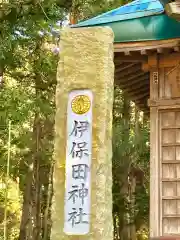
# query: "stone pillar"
(165, 146)
(86, 63)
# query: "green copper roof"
(141, 20)
(159, 27)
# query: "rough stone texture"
(86, 62)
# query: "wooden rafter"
(140, 93)
(136, 88)
(125, 66)
(140, 97)
(129, 70)
(133, 78)
(142, 104)
(129, 75)
(134, 95)
(143, 80)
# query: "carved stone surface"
(86, 62)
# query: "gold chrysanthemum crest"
(81, 104)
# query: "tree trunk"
(26, 218)
(36, 213)
(46, 222)
(36, 184)
(125, 231)
(1, 75)
(133, 177)
(31, 215)
(26, 209)
(132, 206)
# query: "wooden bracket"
(145, 67)
(152, 63)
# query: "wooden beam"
(163, 102)
(138, 90)
(143, 100)
(130, 71)
(146, 45)
(142, 103)
(129, 84)
(133, 83)
(159, 50)
(125, 66)
(176, 49)
(132, 58)
(165, 51)
(143, 52)
(140, 85)
(127, 53)
(120, 65)
(140, 95)
(144, 80)
(130, 79)
(169, 60)
(167, 237)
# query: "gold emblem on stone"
(81, 104)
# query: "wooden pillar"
(165, 146)
(84, 96)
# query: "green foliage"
(130, 164)
(85, 9)
(13, 209)
(29, 77)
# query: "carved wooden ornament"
(155, 77)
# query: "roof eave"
(88, 23)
